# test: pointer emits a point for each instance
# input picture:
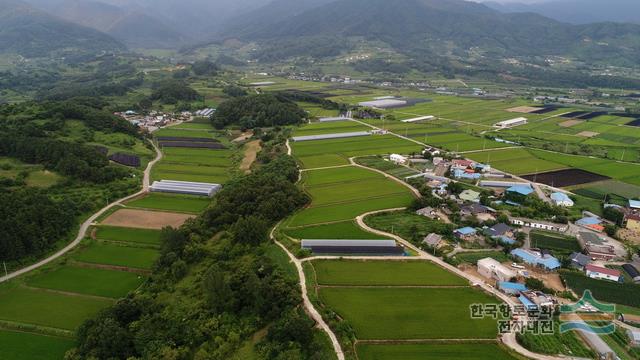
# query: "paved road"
(82, 232)
(308, 306)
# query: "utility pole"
(624, 150)
(5, 269)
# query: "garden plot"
(515, 161)
(88, 281)
(567, 177)
(330, 128)
(347, 230)
(145, 219)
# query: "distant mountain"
(34, 33)
(579, 11)
(132, 26)
(419, 27)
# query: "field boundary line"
(326, 168)
(35, 329)
(428, 341)
(111, 267)
(69, 293)
(84, 227)
(396, 286)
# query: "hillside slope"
(33, 33)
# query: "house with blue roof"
(561, 199)
(465, 233)
(536, 258)
(462, 174)
(524, 190)
(511, 288)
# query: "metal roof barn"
(185, 187)
(330, 136)
(334, 119)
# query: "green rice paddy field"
(171, 202)
(314, 154)
(111, 254)
(341, 194)
(432, 352)
(418, 313)
(398, 273)
(89, 281)
(333, 127)
(128, 235)
(40, 347)
(37, 307)
(340, 230)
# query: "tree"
(250, 230)
(234, 91)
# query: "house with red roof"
(602, 273)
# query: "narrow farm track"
(84, 227)
(308, 306)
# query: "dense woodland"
(228, 289)
(33, 220)
(263, 110)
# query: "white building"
(492, 269)
(535, 224)
(511, 123)
(601, 273)
(398, 159)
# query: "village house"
(634, 337)
(470, 195)
(601, 273)
(632, 271)
(579, 260)
(427, 212)
(600, 252)
(465, 233)
(561, 199)
(462, 164)
(398, 159)
(536, 258)
(511, 288)
(542, 225)
(534, 300)
(434, 240)
(492, 269)
(477, 210)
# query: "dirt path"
(250, 153)
(308, 306)
(84, 227)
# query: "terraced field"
(49, 304)
(341, 194)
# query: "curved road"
(85, 225)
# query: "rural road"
(310, 309)
(82, 232)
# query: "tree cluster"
(263, 110)
(172, 91)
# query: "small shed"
(511, 288)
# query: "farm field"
(340, 230)
(116, 255)
(419, 312)
(315, 152)
(341, 194)
(396, 273)
(171, 202)
(473, 257)
(467, 351)
(515, 161)
(145, 219)
(561, 245)
(604, 291)
(566, 344)
(173, 132)
(26, 346)
(128, 235)
(89, 281)
(48, 309)
(407, 224)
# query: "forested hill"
(33, 33)
(438, 26)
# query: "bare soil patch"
(567, 177)
(588, 134)
(145, 219)
(570, 123)
(523, 109)
(250, 152)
